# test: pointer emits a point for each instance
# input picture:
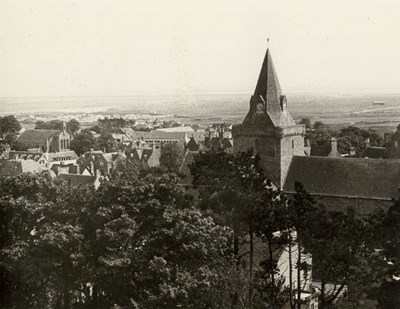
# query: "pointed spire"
(268, 86)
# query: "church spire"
(267, 105)
(268, 86)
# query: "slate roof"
(375, 153)
(17, 167)
(159, 135)
(268, 90)
(347, 177)
(63, 154)
(65, 168)
(192, 145)
(176, 129)
(76, 180)
(189, 158)
(40, 136)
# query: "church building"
(338, 183)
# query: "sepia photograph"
(214, 154)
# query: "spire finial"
(267, 42)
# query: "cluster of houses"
(49, 150)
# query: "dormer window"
(283, 102)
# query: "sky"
(101, 47)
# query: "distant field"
(335, 109)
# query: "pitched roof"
(160, 135)
(17, 167)
(192, 145)
(63, 154)
(176, 129)
(350, 177)
(76, 180)
(189, 158)
(65, 168)
(32, 136)
(268, 91)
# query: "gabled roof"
(40, 136)
(192, 145)
(189, 158)
(347, 177)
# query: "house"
(18, 167)
(47, 140)
(77, 180)
(141, 153)
(63, 168)
(38, 157)
(68, 156)
(45, 159)
(106, 163)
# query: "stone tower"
(268, 128)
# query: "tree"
(134, 239)
(107, 143)
(171, 157)
(306, 122)
(73, 126)
(228, 186)
(387, 226)
(9, 128)
(49, 125)
(82, 142)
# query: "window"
(292, 144)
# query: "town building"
(18, 167)
(47, 140)
(106, 163)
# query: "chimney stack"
(333, 152)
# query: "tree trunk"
(67, 300)
(235, 245)
(322, 303)
(272, 270)
(292, 305)
(298, 273)
(251, 269)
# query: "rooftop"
(347, 177)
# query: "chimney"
(92, 167)
(333, 152)
(64, 127)
(367, 143)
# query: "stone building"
(47, 140)
(338, 183)
(268, 128)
